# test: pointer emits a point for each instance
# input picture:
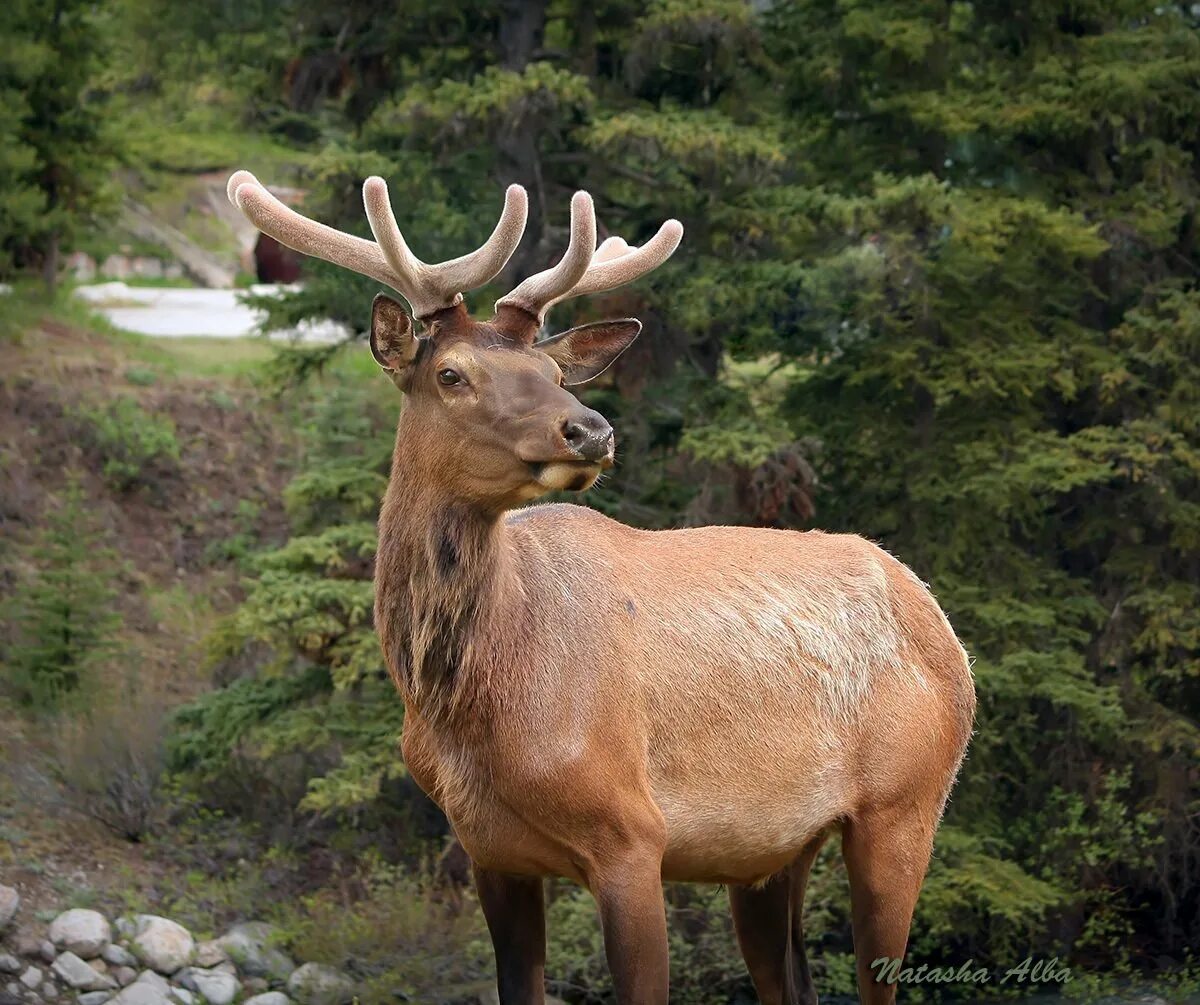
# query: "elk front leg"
(633, 916)
(516, 917)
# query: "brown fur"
(619, 706)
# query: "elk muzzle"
(589, 435)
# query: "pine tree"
(63, 617)
(63, 147)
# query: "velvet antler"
(427, 287)
(582, 271)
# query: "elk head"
(488, 413)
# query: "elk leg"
(886, 855)
(770, 933)
(634, 919)
(515, 912)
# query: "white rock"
(142, 993)
(183, 996)
(124, 975)
(9, 964)
(118, 956)
(209, 954)
(317, 984)
(154, 980)
(162, 944)
(215, 987)
(251, 946)
(94, 998)
(14, 989)
(75, 972)
(269, 998)
(82, 932)
(47, 950)
(48, 991)
(32, 977)
(10, 901)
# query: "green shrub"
(142, 376)
(136, 447)
(63, 617)
(406, 942)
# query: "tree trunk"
(50, 263)
(521, 30)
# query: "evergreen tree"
(63, 619)
(939, 288)
(61, 146)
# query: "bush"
(135, 446)
(396, 937)
(62, 618)
(706, 967)
(109, 764)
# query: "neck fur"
(440, 574)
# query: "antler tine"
(306, 236)
(536, 292)
(610, 248)
(615, 267)
(429, 288)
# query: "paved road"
(168, 312)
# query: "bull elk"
(617, 706)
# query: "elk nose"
(589, 435)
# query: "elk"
(618, 706)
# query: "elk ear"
(587, 351)
(393, 343)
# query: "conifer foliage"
(62, 617)
(939, 287)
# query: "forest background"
(938, 287)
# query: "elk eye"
(448, 378)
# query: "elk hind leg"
(770, 932)
(887, 853)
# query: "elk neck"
(444, 579)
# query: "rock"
(82, 266)
(124, 975)
(209, 954)
(47, 950)
(142, 993)
(12, 993)
(82, 932)
(255, 985)
(9, 964)
(125, 928)
(10, 901)
(154, 980)
(215, 987)
(317, 984)
(251, 946)
(118, 956)
(183, 996)
(162, 944)
(226, 968)
(94, 998)
(49, 991)
(269, 998)
(27, 945)
(32, 977)
(99, 965)
(73, 971)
